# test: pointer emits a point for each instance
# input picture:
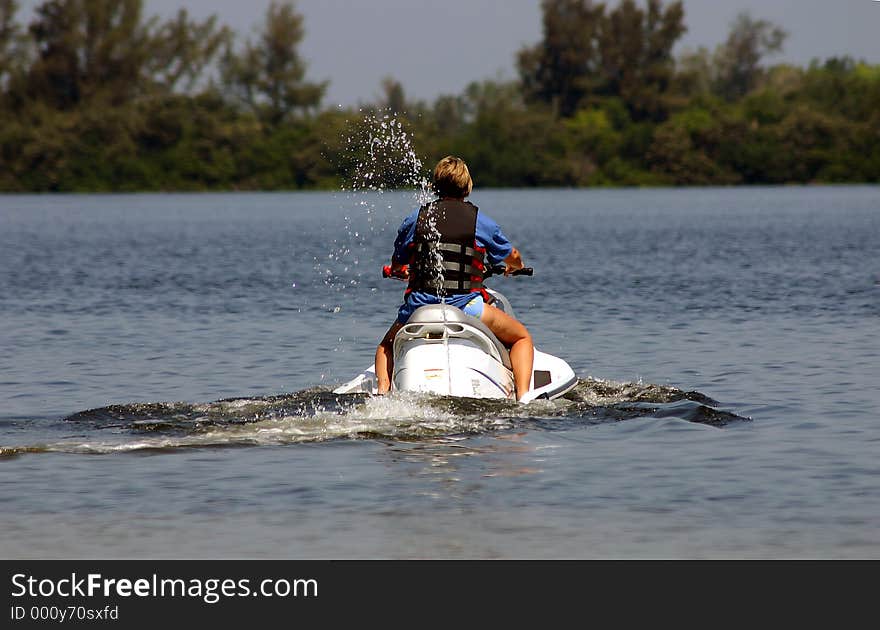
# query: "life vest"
(446, 238)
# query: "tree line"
(97, 96)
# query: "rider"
(462, 235)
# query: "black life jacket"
(446, 234)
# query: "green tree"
(393, 96)
(10, 42)
(561, 70)
(449, 114)
(588, 52)
(738, 68)
(86, 49)
(502, 139)
(594, 142)
(684, 149)
(182, 49)
(635, 48)
(843, 85)
(268, 76)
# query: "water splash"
(379, 157)
(599, 392)
(318, 415)
(384, 158)
(380, 164)
(430, 265)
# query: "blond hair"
(452, 178)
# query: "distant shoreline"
(307, 191)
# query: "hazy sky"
(437, 47)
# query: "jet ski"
(441, 350)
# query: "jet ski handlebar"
(496, 270)
(499, 270)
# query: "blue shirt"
(488, 235)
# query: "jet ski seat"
(433, 314)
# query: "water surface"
(167, 365)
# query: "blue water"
(167, 361)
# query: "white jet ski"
(442, 350)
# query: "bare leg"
(385, 358)
(514, 335)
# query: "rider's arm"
(513, 261)
(498, 248)
(405, 234)
(400, 257)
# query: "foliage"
(95, 96)
(268, 76)
(562, 69)
(587, 52)
(738, 61)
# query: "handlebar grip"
(525, 271)
(386, 272)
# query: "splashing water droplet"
(378, 157)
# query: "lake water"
(167, 361)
